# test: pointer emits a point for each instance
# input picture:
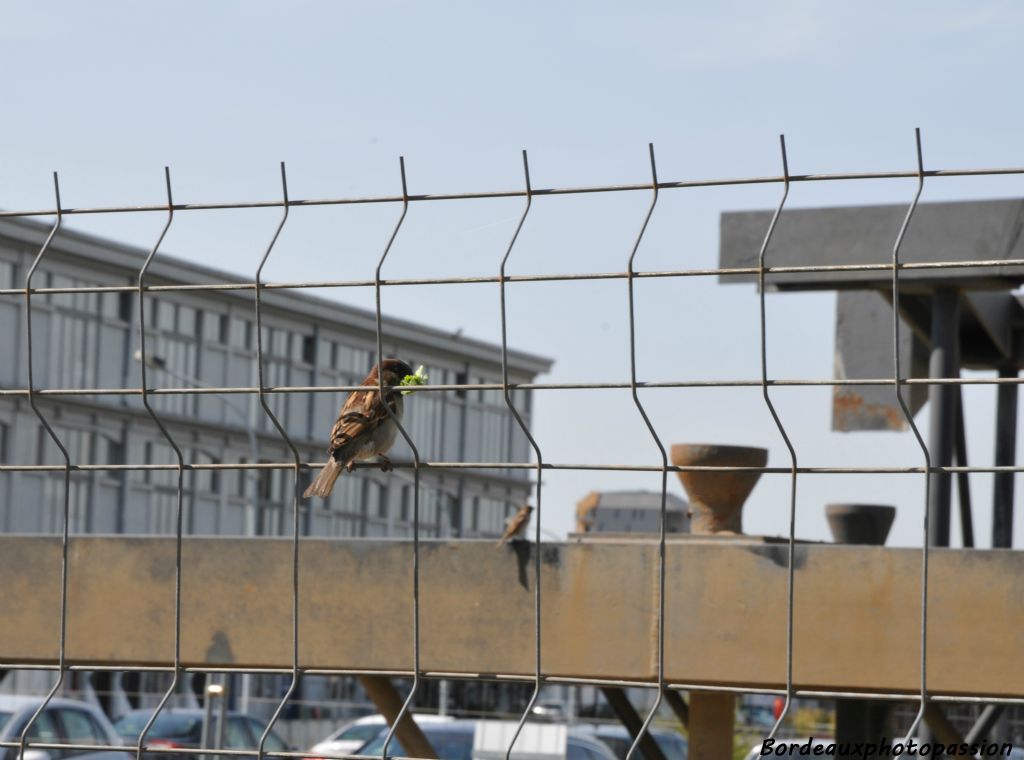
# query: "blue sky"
(109, 92)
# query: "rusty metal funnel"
(716, 498)
(860, 523)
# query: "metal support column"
(631, 719)
(944, 362)
(963, 484)
(679, 707)
(387, 699)
(711, 725)
(861, 721)
(1005, 455)
(941, 727)
(985, 723)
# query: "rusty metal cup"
(860, 523)
(716, 498)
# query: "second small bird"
(515, 526)
(364, 429)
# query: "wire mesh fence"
(294, 467)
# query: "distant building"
(88, 340)
(630, 512)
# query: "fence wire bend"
(295, 673)
(917, 434)
(416, 473)
(791, 544)
(507, 394)
(660, 654)
(65, 527)
(179, 495)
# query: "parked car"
(184, 728)
(64, 721)
(460, 740)
(671, 743)
(351, 736)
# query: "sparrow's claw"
(385, 463)
(351, 466)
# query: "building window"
(125, 301)
(6, 274)
(309, 349)
(238, 332)
(406, 505)
(41, 439)
(115, 451)
(265, 484)
(187, 322)
(243, 476)
(165, 315)
(206, 480)
(215, 329)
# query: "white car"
(350, 737)
(489, 740)
(64, 721)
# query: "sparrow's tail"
(324, 483)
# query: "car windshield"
(166, 726)
(449, 745)
(4, 717)
(672, 746)
(359, 732)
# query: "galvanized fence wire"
(395, 419)
(178, 509)
(65, 526)
(917, 434)
(663, 508)
(507, 395)
(558, 277)
(791, 546)
(538, 467)
(297, 467)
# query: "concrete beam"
(861, 317)
(856, 616)
(953, 231)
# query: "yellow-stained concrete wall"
(857, 609)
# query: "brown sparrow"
(364, 429)
(515, 526)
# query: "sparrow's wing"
(517, 521)
(359, 416)
(513, 525)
